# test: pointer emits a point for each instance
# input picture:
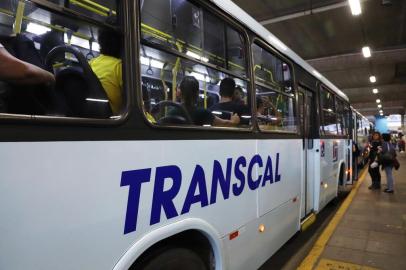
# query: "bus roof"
(239, 14)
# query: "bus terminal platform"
(368, 231)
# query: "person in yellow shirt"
(108, 67)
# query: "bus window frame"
(266, 46)
(112, 121)
(227, 19)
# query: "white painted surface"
(62, 206)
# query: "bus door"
(308, 124)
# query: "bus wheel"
(175, 259)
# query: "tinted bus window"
(192, 75)
(342, 115)
(83, 58)
(329, 119)
(274, 92)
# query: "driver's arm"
(16, 71)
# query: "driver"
(15, 71)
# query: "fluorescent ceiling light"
(380, 111)
(379, 105)
(378, 101)
(372, 79)
(196, 56)
(97, 100)
(355, 6)
(200, 77)
(37, 29)
(81, 42)
(375, 91)
(151, 62)
(366, 52)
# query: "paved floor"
(372, 232)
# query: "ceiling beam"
(306, 12)
(347, 61)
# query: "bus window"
(342, 124)
(179, 48)
(274, 92)
(329, 118)
(85, 62)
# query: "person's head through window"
(110, 42)
(108, 68)
(238, 96)
(189, 91)
(227, 87)
(260, 106)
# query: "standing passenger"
(108, 68)
(387, 159)
(373, 167)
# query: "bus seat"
(23, 99)
(79, 91)
(173, 120)
(164, 106)
(48, 41)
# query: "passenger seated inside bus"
(226, 104)
(189, 90)
(16, 71)
(238, 96)
(108, 67)
(267, 114)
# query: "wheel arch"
(138, 249)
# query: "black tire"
(174, 259)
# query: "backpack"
(387, 158)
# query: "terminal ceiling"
(325, 33)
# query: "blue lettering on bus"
(170, 177)
(254, 184)
(219, 178)
(198, 180)
(134, 179)
(164, 199)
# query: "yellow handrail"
(205, 92)
(97, 8)
(19, 17)
(175, 73)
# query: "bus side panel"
(252, 248)
(64, 200)
(286, 169)
(332, 156)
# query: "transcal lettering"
(241, 170)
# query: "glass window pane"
(214, 40)
(271, 70)
(275, 111)
(169, 101)
(164, 24)
(329, 123)
(187, 28)
(74, 93)
(236, 52)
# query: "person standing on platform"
(373, 165)
(387, 158)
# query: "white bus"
(92, 178)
